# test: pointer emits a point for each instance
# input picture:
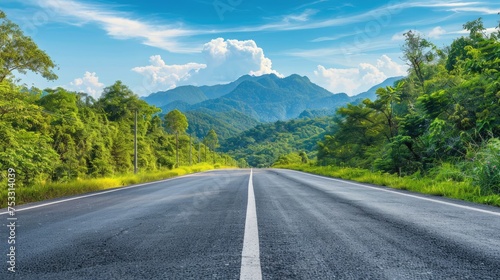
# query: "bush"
(447, 172)
(486, 167)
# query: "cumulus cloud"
(436, 32)
(160, 76)
(391, 68)
(356, 80)
(89, 84)
(225, 61)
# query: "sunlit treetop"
(19, 53)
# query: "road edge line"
(100, 193)
(382, 189)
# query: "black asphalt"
(315, 228)
(309, 228)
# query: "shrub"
(486, 167)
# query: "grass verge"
(46, 191)
(438, 185)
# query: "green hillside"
(187, 94)
(227, 123)
(262, 145)
(269, 98)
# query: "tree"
(176, 122)
(19, 53)
(25, 142)
(476, 29)
(416, 52)
(388, 97)
(212, 141)
(118, 102)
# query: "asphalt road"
(303, 227)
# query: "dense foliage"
(61, 135)
(228, 123)
(447, 111)
(57, 135)
(264, 144)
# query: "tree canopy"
(445, 111)
(19, 53)
(59, 135)
(176, 122)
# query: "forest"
(444, 117)
(442, 120)
(55, 135)
(269, 143)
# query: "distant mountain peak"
(371, 93)
(266, 98)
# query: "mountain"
(217, 91)
(237, 106)
(262, 145)
(187, 94)
(227, 124)
(269, 98)
(371, 93)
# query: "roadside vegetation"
(60, 142)
(436, 131)
(447, 181)
(50, 190)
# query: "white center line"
(250, 256)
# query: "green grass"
(445, 183)
(55, 190)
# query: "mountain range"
(240, 105)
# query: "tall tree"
(176, 123)
(19, 53)
(417, 51)
(212, 141)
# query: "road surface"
(280, 224)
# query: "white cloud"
(225, 61)
(160, 76)
(89, 84)
(391, 68)
(303, 17)
(436, 32)
(487, 31)
(118, 25)
(481, 10)
(169, 36)
(356, 80)
(337, 80)
(401, 37)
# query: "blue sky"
(344, 46)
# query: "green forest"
(443, 118)
(55, 135)
(270, 143)
(442, 122)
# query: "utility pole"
(135, 142)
